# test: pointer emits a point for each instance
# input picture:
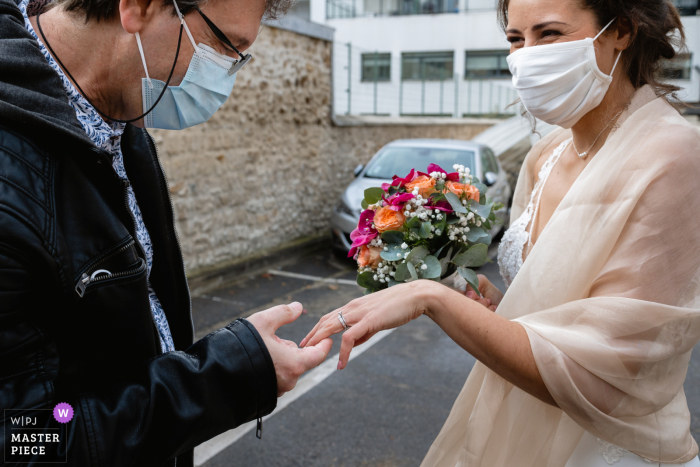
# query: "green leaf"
(481, 187)
(445, 262)
(364, 204)
(439, 186)
(498, 206)
(481, 210)
(374, 194)
(434, 268)
(425, 229)
(412, 270)
(394, 252)
(366, 280)
(475, 233)
(486, 240)
(486, 225)
(417, 254)
(393, 236)
(402, 273)
(471, 278)
(391, 282)
(472, 258)
(452, 220)
(455, 202)
(413, 223)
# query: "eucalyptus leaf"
(402, 274)
(471, 278)
(364, 204)
(412, 270)
(366, 280)
(475, 233)
(393, 253)
(391, 282)
(481, 187)
(413, 223)
(474, 257)
(425, 230)
(486, 240)
(417, 254)
(434, 268)
(481, 210)
(452, 220)
(393, 236)
(374, 194)
(455, 202)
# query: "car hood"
(355, 192)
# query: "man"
(94, 305)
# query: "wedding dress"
(517, 240)
(610, 299)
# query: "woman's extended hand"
(387, 309)
(490, 295)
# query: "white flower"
(404, 246)
(478, 223)
(380, 265)
(419, 197)
(452, 237)
(439, 217)
(386, 248)
(464, 238)
(464, 202)
(438, 232)
(376, 277)
(467, 229)
(432, 228)
(456, 166)
(392, 273)
(382, 281)
(407, 213)
(424, 267)
(413, 214)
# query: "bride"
(584, 360)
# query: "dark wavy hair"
(656, 30)
(100, 10)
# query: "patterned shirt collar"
(103, 134)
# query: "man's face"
(239, 20)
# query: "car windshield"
(399, 161)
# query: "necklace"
(583, 155)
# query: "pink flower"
(398, 181)
(364, 233)
(452, 177)
(396, 202)
(443, 205)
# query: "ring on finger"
(346, 326)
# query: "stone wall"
(268, 168)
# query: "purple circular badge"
(63, 412)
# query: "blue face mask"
(205, 88)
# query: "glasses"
(243, 58)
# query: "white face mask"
(560, 83)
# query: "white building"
(439, 57)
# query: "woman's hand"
(490, 295)
(387, 309)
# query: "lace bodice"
(510, 251)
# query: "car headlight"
(342, 207)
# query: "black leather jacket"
(94, 345)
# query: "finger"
(283, 314)
(493, 307)
(313, 355)
(313, 331)
(351, 336)
(328, 328)
(289, 343)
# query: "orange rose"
(470, 191)
(369, 257)
(425, 185)
(387, 219)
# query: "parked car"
(398, 158)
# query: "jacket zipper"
(83, 283)
(170, 201)
(86, 280)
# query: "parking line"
(294, 275)
(214, 446)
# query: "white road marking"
(223, 300)
(294, 275)
(214, 446)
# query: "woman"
(584, 361)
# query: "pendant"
(582, 155)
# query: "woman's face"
(539, 22)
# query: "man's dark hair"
(100, 10)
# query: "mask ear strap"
(606, 27)
(182, 21)
(143, 59)
(615, 65)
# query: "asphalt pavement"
(384, 409)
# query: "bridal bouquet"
(423, 226)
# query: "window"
(381, 7)
(481, 64)
(400, 160)
(376, 67)
(687, 7)
(488, 161)
(427, 65)
(678, 68)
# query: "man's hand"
(290, 361)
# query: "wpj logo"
(36, 437)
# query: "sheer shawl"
(609, 297)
